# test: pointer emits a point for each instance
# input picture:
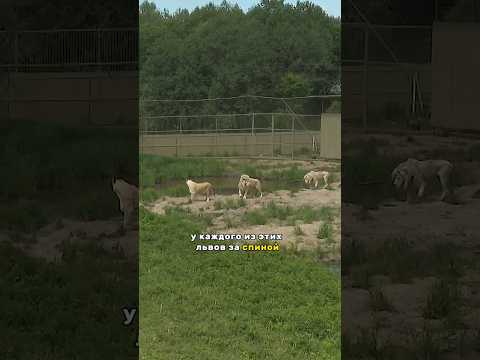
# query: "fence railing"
(253, 135)
(44, 50)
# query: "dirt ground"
(223, 218)
(403, 324)
(49, 242)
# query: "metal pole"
(254, 138)
(176, 145)
(15, 50)
(216, 136)
(90, 101)
(365, 78)
(273, 136)
(293, 138)
(9, 94)
(253, 122)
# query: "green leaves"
(273, 49)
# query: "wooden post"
(273, 136)
(365, 78)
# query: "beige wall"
(96, 98)
(455, 61)
(331, 136)
(260, 144)
(241, 143)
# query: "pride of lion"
(249, 185)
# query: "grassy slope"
(231, 305)
(66, 311)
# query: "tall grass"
(58, 170)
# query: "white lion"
(315, 176)
(128, 198)
(204, 188)
(421, 172)
(247, 183)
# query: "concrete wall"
(240, 143)
(259, 144)
(86, 98)
(331, 136)
(455, 60)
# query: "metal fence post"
(15, 50)
(293, 137)
(90, 101)
(253, 122)
(273, 136)
(254, 138)
(179, 130)
(365, 78)
(176, 145)
(216, 136)
(9, 96)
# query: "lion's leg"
(445, 186)
(325, 180)
(245, 193)
(316, 184)
(191, 197)
(239, 192)
(126, 218)
(421, 190)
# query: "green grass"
(325, 232)
(221, 306)
(167, 175)
(70, 310)
(156, 169)
(298, 231)
(443, 299)
(229, 204)
(50, 170)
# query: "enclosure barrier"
(268, 135)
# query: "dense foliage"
(274, 49)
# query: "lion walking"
(247, 183)
(414, 171)
(314, 177)
(204, 188)
(128, 202)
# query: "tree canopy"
(274, 49)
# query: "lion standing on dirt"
(128, 198)
(421, 172)
(247, 183)
(204, 188)
(315, 177)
